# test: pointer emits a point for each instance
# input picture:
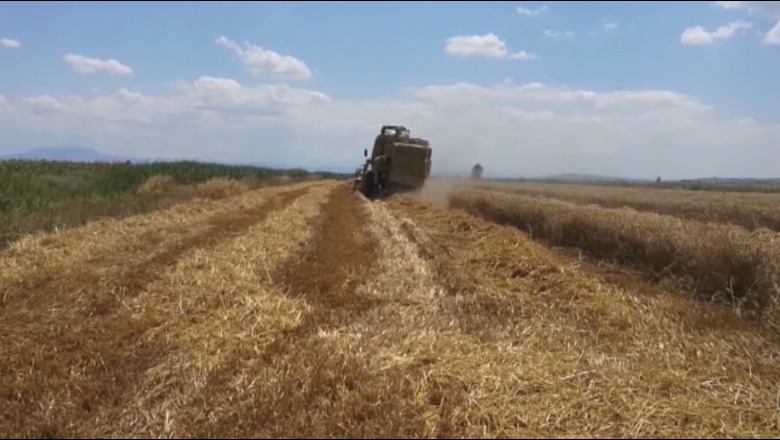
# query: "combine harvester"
(398, 163)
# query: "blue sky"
(677, 89)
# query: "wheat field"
(750, 210)
(302, 310)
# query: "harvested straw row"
(560, 352)
(36, 265)
(134, 368)
(318, 379)
(720, 259)
(749, 210)
(219, 310)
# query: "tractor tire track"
(359, 362)
(95, 350)
(302, 367)
(330, 271)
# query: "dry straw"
(219, 188)
(721, 260)
(746, 209)
(220, 311)
(540, 348)
(310, 314)
(77, 330)
(157, 184)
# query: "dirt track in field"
(305, 311)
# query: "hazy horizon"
(623, 89)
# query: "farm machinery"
(476, 172)
(398, 163)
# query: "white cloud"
(512, 129)
(537, 95)
(9, 43)
(83, 64)
(555, 34)
(773, 36)
(731, 4)
(4, 104)
(610, 25)
(221, 102)
(769, 10)
(530, 12)
(487, 46)
(261, 61)
(522, 55)
(125, 106)
(698, 36)
(223, 94)
(44, 104)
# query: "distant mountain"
(69, 153)
(735, 181)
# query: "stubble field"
(303, 310)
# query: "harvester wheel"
(368, 185)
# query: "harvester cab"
(397, 163)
